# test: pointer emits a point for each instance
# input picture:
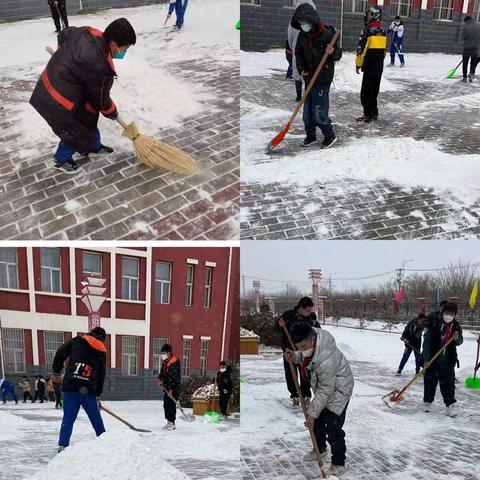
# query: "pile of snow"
(129, 456)
(207, 391)
(247, 333)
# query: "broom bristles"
(157, 154)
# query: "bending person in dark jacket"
(82, 382)
(75, 88)
(301, 313)
(225, 387)
(441, 326)
(170, 378)
(313, 41)
(412, 337)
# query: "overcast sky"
(290, 260)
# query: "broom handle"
(314, 78)
(409, 345)
(476, 362)
(114, 415)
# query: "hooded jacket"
(291, 317)
(310, 47)
(75, 87)
(471, 36)
(86, 367)
(372, 46)
(171, 375)
(331, 377)
(25, 385)
(413, 333)
(224, 381)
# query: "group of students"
(44, 390)
(327, 381)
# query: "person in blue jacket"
(396, 31)
(8, 388)
(179, 6)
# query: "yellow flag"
(473, 295)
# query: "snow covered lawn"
(403, 443)
(198, 450)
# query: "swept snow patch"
(72, 205)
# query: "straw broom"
(152, 152)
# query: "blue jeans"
(398, 49)
(180, 7)
(11, 391)
(329, 427)
(289, 70)
(65, 152)
(315, 111)
(72, 401)
(406, 356)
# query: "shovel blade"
(278, 139)
(392, 398)
(451, 73)
(188, 417)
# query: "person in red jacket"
(75, 88)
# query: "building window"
(8, 267)
(443, 10)
(187, 348)
(203, 356)
(208, 287)
(158, 343)
(189, 291)
(251, 2)
(92, 264)
(130, 349)
(130, 278)
(476, 11)
(356, 6)
(163, 279)
(14, 350)
(50, 270)
(401, 7)
(53, 341)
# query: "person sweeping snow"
(75, 88)
(180, 6)
(332, 382)
(7, 388)
(471, 41)
(412, 337)
(372, 47)
(396, 31)
(82, 382)
(170, 378)
(440, 327)
(225, 387)
(58, 8)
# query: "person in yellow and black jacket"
(170, 379)
(372, 47)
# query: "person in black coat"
(302, 312)
(313, 42)
(83, 380)
(225, 387)
(59, 10)
(412, 337)
(170, 379)
(75, 88)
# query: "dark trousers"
(27, 395)
(170, 408)
(289, 70)
(443, 375)
(406, 356)
(304, 383)
(224, 398)
(329, 428)
(40, 395)
(57, 388)
(395, 48)
(469, 54)
(298, 88)
(62, 10)
(315, 111)
(369, 93)
(9, 391)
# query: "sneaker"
(363, 119)
(295, 402)
(70, 167)
(336, 470)
(170, 426)
(470, 77)
(399, 372)
(328, 142)
(224, 417)
(449, 411)
(312, 457)
(464, 79)
(61, 448)
(307, 401)
(103, 150)
(309, 141)
(427, 407)
(391, 65)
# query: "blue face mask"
(306, 27)
(119, 55)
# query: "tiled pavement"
(446, 452)
(116, 197)
(353, 209)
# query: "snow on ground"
(402, 443)
(29, 434)
(145, 91)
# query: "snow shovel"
(129, 425)
(396, 396)
(474, 382)
(61, 18)
(275, 141)
(293, 371)
(452, 73)
(187, 417)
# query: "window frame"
(51, 270)
(20, 332)
(207, 292)
(399, 7)
(156, 349)
(8, 266)
(203, 355)
(187, 351)
(189, 285)
(127, 357)
(131, 279)
(92, 274)
(50, 353)
(439, 7)
(163, 283)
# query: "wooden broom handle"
(114, 415)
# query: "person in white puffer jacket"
(332, 383)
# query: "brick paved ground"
(353, 209)
(116, 197)
(440, 449)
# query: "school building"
(430, 25)
(188, 297)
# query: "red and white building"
(188, 297)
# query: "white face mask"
(448, 318)
(306, 27)
(164, 356)
(308, 353)
(223, 369)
